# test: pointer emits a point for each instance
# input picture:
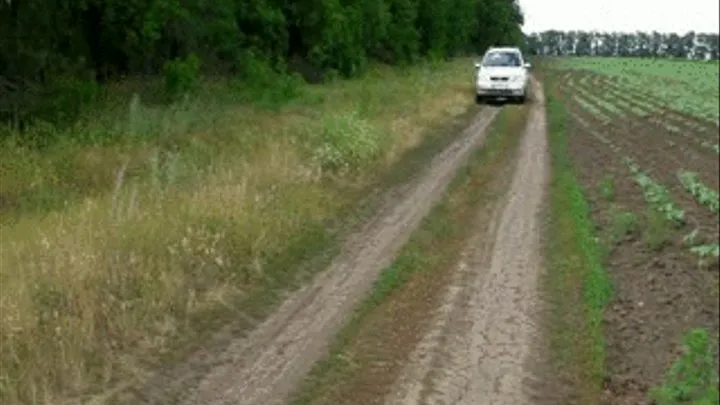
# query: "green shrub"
(346, 141)
(59, 102)
(266, 85)
(181, 75)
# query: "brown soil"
(266, 366)
(658, 294)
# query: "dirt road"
(477, 351)
(277, 356)
(264, 367)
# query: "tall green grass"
(148, 224)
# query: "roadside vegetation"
(576, 284)
(166, 165)
(116, 252)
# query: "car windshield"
(511, 59)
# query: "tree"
(624, 44)
(674, 45)
(44, 43)
(712, 44)
(643, 43)
(688, 44)
(569, 39)
(584, 45)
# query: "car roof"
(503, 49)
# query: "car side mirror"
(477, 65)
(527, 65)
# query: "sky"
(621, 15)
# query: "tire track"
(478, 350)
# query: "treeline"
(691, 45)
(47, 43)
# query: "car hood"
(501, 71)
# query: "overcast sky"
(621, 15)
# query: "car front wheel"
(479, 99)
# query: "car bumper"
(510, 91)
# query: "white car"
(502, 74)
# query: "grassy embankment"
(576, 285)
(142, 228)
(372, 348)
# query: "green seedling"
(623, 223)
(703, 194)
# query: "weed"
(346, 140)
(607, 187)
(181, 75)
(692, 379)
(658, 231)
(623, 224)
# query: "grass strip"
(577, 286)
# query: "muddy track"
(478, 349)
(265, 366)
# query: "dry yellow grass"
(158, 239)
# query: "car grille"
(499, 79)
(500, 92)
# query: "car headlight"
(518, 79)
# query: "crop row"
(658, 93)
(690, 180)
(682, 91)
(642, 105)
(702, 193)
(676, 97)
(609, 104)
(656, 194)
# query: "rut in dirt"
(267, 365)
(477, 350)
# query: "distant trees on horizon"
(691, 45)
